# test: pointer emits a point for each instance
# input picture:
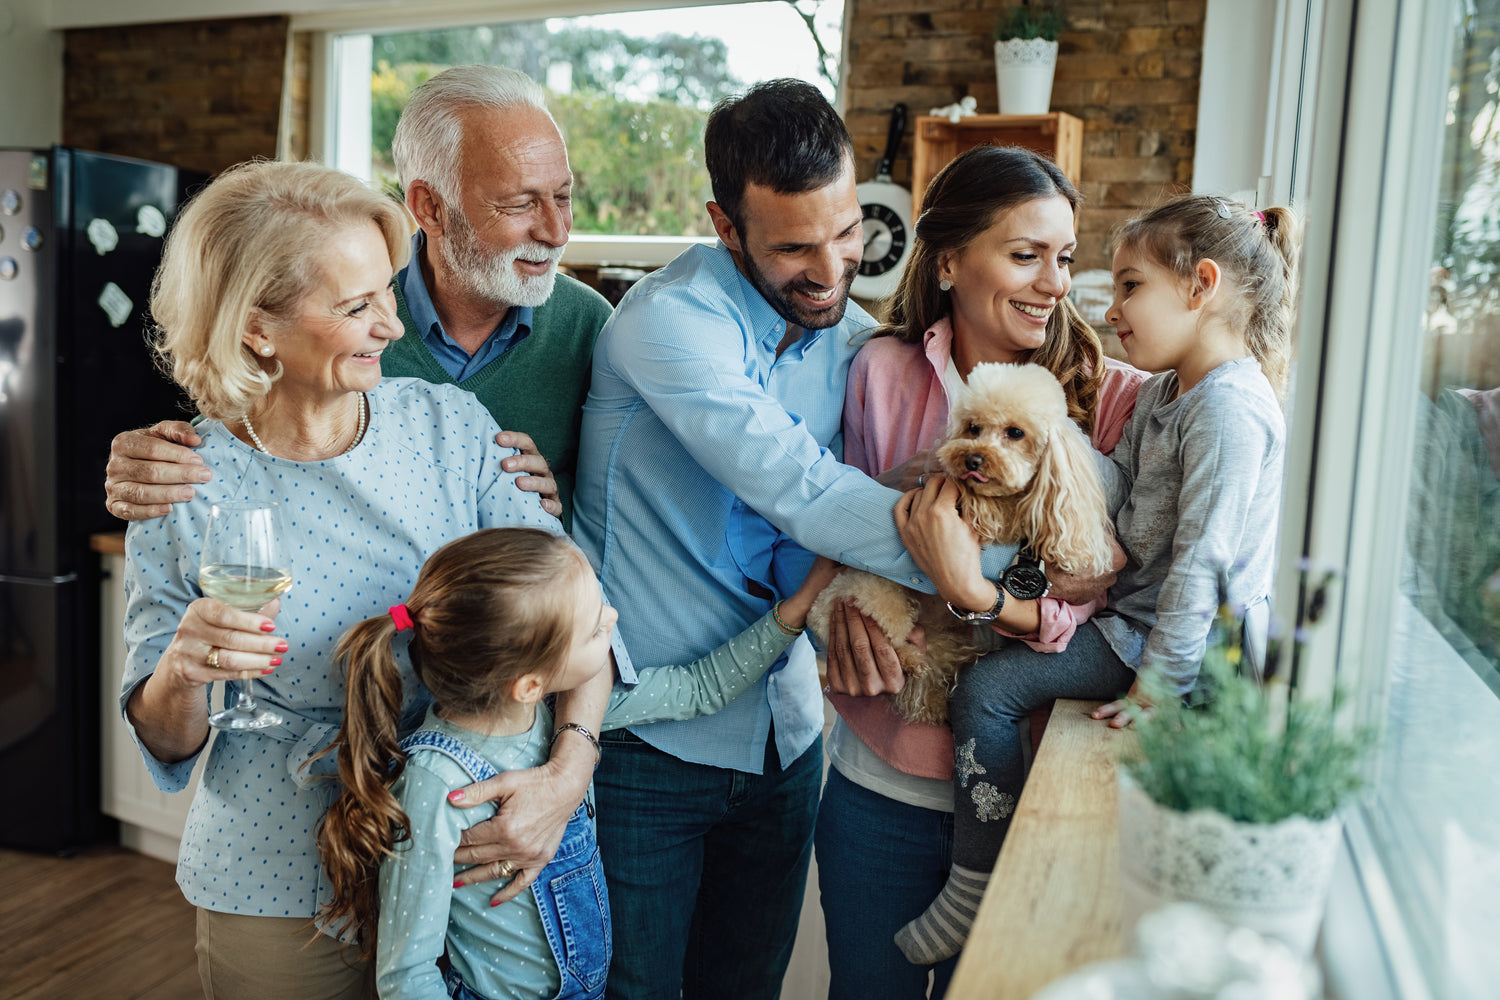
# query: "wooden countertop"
(1053, 903)
(109, 543)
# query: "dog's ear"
(1064, 510)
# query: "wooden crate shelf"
(1058, 136)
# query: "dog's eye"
(1014, 433)
(974, 430)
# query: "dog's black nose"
(973, 461)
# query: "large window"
(1402, 462)
(631, 93)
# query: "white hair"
(430, 132)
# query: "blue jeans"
(880, 862)
(990, 699)
(707, 868)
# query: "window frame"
(1376, 130)
(584, 249)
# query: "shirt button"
(916, 581)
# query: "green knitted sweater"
(537, 386)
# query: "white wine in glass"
(245, 566)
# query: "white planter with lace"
(1023, 75)
(1270, 877)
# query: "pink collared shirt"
(895, 406)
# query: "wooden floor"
(105, 923)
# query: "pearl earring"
(945, 285)
(266, 351)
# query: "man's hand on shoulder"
(151, 469)
(536, 474)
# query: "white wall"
(1233, 95)
(31, 75)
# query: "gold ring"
(507, 869)
(212, 659)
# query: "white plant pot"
(1270, 877)
(1023, 75)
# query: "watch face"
(1025, 580)
(885, 239)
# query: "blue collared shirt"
(708, 467)
(456, 361)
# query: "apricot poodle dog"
(1026, 473)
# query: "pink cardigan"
(894, 407)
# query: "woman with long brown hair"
(987, 282)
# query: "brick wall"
(1129, 69)
(200, 94)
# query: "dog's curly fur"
(1025, 472)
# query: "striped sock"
(940, 932)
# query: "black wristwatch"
(975, 617)
(1024, 578)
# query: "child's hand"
(1126, 710)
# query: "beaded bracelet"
(776, 617)
(582, 731)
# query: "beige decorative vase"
(1270, 877)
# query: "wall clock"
(887, 221)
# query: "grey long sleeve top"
(1195, 485)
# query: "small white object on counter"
(964, 108)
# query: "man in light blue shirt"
(709, 472)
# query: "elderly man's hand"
(535, 806)
(536, 474)
(151, 469)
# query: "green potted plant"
(1026, 55)
(1232, 800)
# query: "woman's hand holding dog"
(946, 549)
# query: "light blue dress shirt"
(456, 361)
(708, 467)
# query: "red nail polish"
(275, 661)
(456, 796)
(282, 647)
(264, 672)
(457, 884)
(494, 902)
(268, 626)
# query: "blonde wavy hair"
(247, 247)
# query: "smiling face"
(502, 242)
(333, 342)
(801, 250)
(1007, 282)
(1151, 312)
(592, 623)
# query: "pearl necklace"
(359, 431)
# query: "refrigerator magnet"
(103, 236)
(115, 303)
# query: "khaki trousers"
(277, 958)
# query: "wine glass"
(245, 565)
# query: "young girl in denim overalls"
(497, 620)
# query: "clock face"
(885, 239)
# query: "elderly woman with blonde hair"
(274, 303)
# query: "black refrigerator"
(80, 238)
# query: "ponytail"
(1257, 251)
(366, 822)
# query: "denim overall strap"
(453, 748)
(569, 891)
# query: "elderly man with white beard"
(486, 177)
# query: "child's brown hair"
(486, 610)
(1257, 253)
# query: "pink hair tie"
(401, 617)
(1262, 217)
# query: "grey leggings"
(992, 696)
